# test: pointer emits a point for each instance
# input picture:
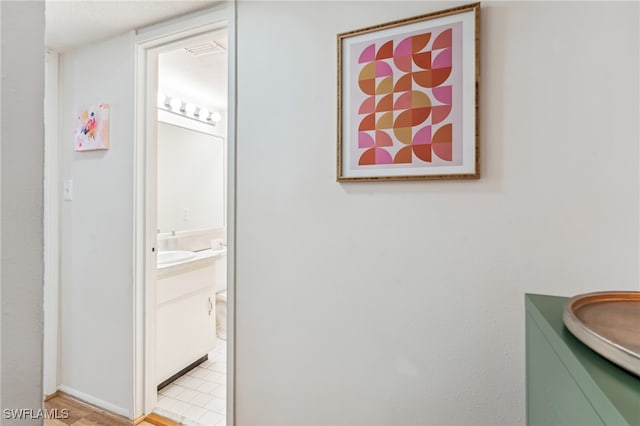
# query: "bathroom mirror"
(191, 171)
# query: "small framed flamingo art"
(408, 98)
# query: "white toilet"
(221, 296)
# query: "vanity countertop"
(202, 258)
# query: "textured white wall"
(402, 303)
(190, 176)
(22, 156)
(96, 234)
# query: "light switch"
(186, 214)
(68, 190)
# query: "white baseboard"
(95, 401)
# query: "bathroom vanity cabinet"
(185, 316)
(567, 382)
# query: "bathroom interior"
(190, 284)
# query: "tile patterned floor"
(198, 398)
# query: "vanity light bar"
(189, 110)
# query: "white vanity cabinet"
(185, 316)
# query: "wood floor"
(82, 414)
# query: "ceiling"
(70, 24)
(201, 80)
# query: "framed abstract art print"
(408, 98)
(92, 128)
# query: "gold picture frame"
(408, 98)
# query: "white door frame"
(149, 43)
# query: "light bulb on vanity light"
(189, 109)
(215, 116)
(175, 103)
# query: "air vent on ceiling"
(206, 48)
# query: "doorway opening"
(191, 282)
(184, 221)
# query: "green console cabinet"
(567, 382)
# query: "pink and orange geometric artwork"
(92, 128)
(408, 103)
(405, 116)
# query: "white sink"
(172, 256)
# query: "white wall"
(96, 236)
(190, 176)
(22, 155)
(402, 303)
